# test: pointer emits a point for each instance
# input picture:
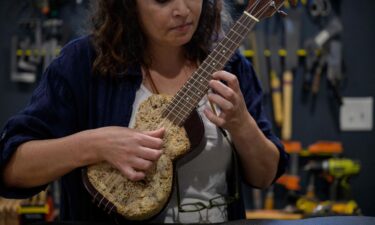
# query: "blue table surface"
(333, 220)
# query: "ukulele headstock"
(262, 9)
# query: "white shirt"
(202, 178)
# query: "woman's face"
(169, 22)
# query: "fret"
(231, 41)
(183, 104)
(246, 28)
(198, 83)
(179, 116)
(189, 96)
(182, 115)
(241, 34)
(196, 91)
(201, 82)
(186, 106)
(183, 111)
(237, 33)
(209, 68)
(192, 98)
(222, 58)
(224, 50)
(191, 101)
(202, 73)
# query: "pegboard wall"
(309, 124)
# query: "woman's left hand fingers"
(230, 79)
(223, 103)
(228, 97)
(218, 121)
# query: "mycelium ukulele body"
(143, 199)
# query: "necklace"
(151, 81)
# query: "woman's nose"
(181, 8)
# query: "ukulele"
(184, 135)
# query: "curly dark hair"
(120, 43)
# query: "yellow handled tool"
(276, 98)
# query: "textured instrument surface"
(143, 199)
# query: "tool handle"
(269, 201)
(317, 76)
(276, 99)
(286, 131)
(316, 82)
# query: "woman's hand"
(228, 97)
(259, 156)
(130, 151)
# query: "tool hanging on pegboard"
(334, 69)
(292, 35)
(320, 8)
(37, 41)
(275, 71)
(24, 59)
(317, 49)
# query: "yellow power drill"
(340, 169)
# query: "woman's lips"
(183, 28)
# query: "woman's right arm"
(45, 140)
(39, 162)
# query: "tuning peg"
(282, 13)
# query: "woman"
(81, 113)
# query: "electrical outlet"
(356, 114)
